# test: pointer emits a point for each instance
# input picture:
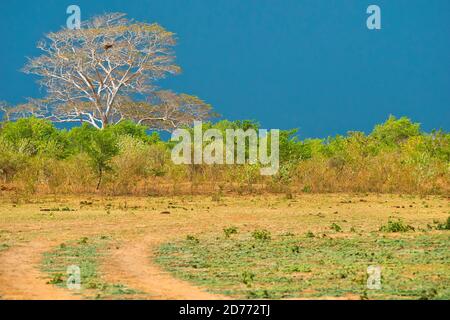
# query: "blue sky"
(307, 64)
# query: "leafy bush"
(395, 131)
(262, 235)
(131, 164)
(12, 159)
(33, 136)
(444, 226)
(230, 231)
(192, 239)
(247, 278)
(309, 234)
(336, 227)
(396, 226)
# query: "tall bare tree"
(89, 72)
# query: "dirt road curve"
(132, 265)
(20, 277)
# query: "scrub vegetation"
(126, 159)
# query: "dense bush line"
(396, 156)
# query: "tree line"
(127, 158)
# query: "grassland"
(198, 247)
(308, 266)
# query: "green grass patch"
(396, 226)
(414, 265)
(443, 226)
(86, 254)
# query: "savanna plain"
(302, 246)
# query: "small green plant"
(259, 294)
(262, 235)
(247, 278)
(443, 226)
(83, 240)
(230, 231)
(428, 294)
(192, 239)
(96, 284)
(396, 226)
(58, 278)
(336, 227)
(120, 289)
(309, 234)
(300, 268)
(364, 295)
(295, 249)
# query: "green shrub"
(262, 235)
(230, 231)
(247, 278)
(33, 137)
(395, 131)
(309, 234)
(335, 227)
(396, 226)
(192, 239)
(12, 160)
(58, 278)
(444, 226)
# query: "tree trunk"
(99, 178)
(104, 122)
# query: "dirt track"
(132, 265)
(20, 277)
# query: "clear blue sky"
(309, 64)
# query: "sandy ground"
(139, 225)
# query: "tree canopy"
(105, 72)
